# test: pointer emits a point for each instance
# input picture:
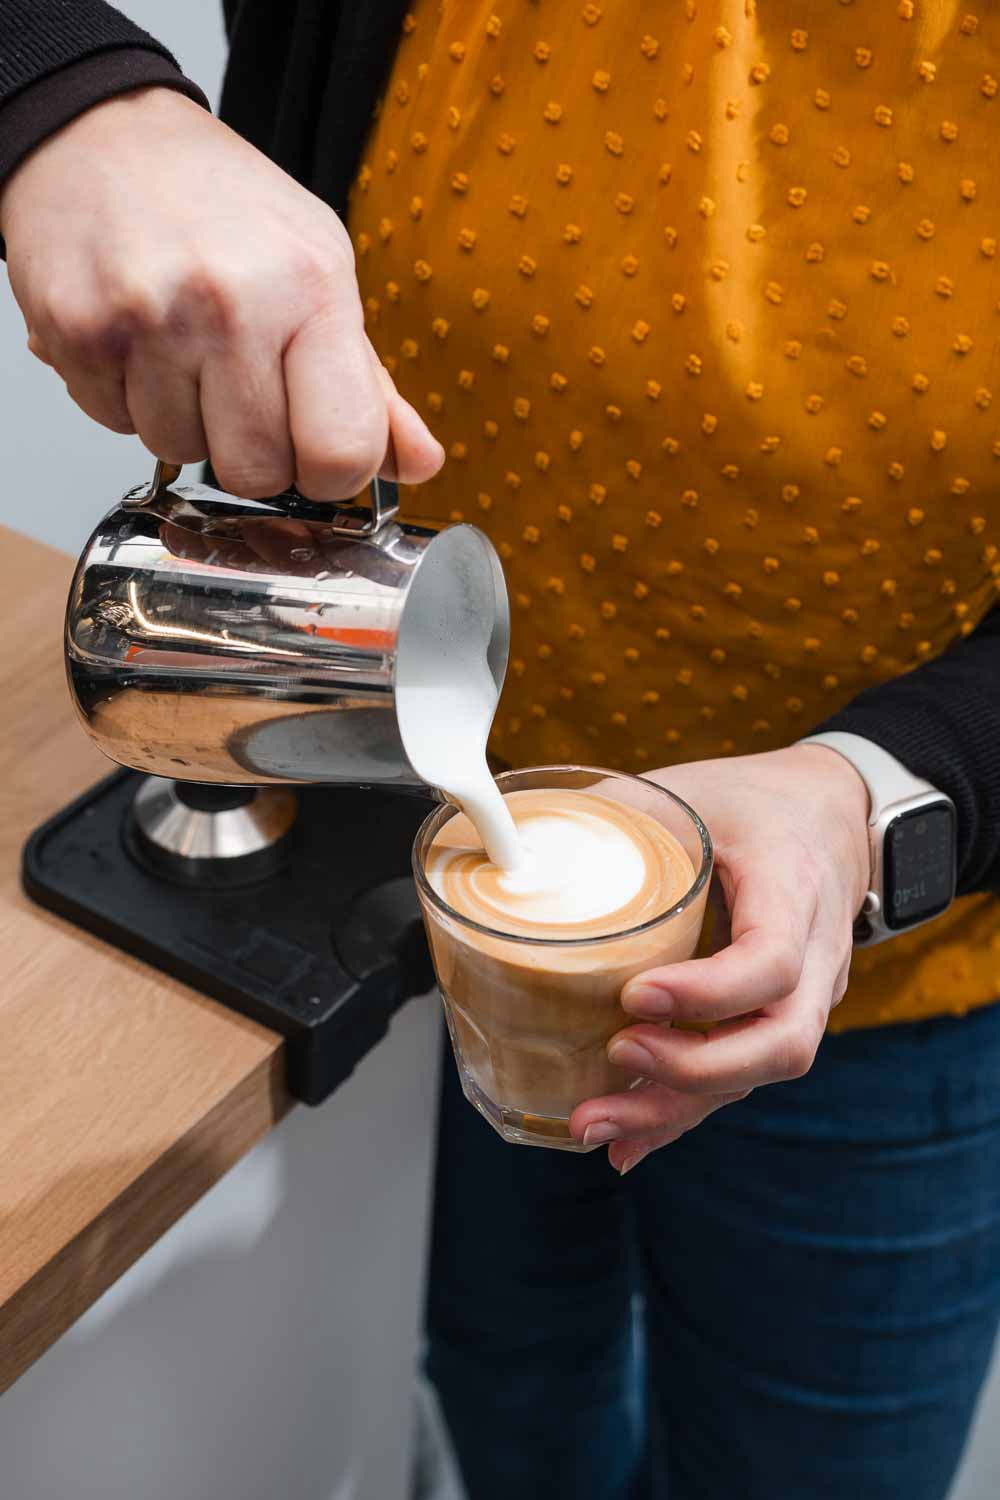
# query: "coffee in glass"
(531, 961)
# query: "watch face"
(919, 864)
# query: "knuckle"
(206, 302)
(785, 964)
(328, 252)
(134, 304)
(224, 298)
(323, 265)
(799, 1052)
(688, 1071)
(76, 324)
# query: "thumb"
(413, 454)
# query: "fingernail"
(631, 1056)
(647, 997)
(630, 1162)
(601, 1131)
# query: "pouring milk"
(446, 694)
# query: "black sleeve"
(59, 57)
(942, 721)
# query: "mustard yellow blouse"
(703, 301)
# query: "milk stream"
(446, 745)
(446, 696)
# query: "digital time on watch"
(911, 839)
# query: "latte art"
(590, 867)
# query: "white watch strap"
(887, 781)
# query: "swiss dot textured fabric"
(703, 302)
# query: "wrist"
(842, 790)
(89, 138)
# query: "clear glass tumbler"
(530, 1018)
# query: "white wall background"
(258, 1231)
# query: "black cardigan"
(302, 81)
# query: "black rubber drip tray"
(323, 951)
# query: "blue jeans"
(818, 1273)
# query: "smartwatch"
(911, 836)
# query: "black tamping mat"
(324, 950)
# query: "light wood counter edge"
(97, 1050)
(47, 1305)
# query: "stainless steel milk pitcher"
(214, 639)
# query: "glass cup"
(530, 1018)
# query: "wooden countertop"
(123, 1095)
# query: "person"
(692, 310)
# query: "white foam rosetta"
(590, 866)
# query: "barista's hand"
(791, 843)
(187, 289)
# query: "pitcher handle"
(351, 520)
